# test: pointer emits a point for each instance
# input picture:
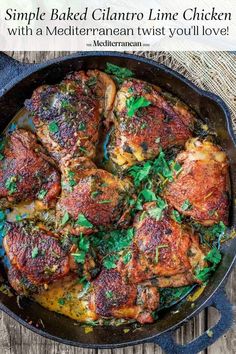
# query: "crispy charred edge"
(21, 257)
(204, 218)
(112, 297)
(21, 284)
(84, 169)
(27, 141)
(163, 103)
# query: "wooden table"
(16, 339)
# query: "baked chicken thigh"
(27, 173)
(163, 249)
(113, 297)
(145, 120)
(36, 253)
(201, 188)
(91, 198)
(67, 116)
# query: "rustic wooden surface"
(15, 339)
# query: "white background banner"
(117, 25)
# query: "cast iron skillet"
(18, 81)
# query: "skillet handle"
(9, 69)
(222, 304)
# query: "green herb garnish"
(157, 252)
(157, 211)
(214, 257)
(81, 126)
(105, 201)
(65, 218)
(65, 103)
(10, 184)
(35, 252)
(121, 73)
(110, 261)
(83, 221)
(186, 205)
(134, 104)
(109, 294)
(71, 179)
(61, 301)
(42, 193)
(176, 216)
(53, 127)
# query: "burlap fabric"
(211, 71)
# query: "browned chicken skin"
(162, 124)
(20, 282)
(36, 253)
(112, 297)
(93, 193)
(27, 173)
(200, 190)
(163, 249)
(67, 116)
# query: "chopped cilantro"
(140, 173)
(65, 218)
(81, 126)
(148, 195)
(157, 212)
(157, 252)
(95, 194)
(110, 261)
(186, 205)
(79, 257)
(126, 330)
(35, 252)
(105, 201)
(53, 127)
(110, 245)
(61, 301)
(83, 221)
(214, 257)
(64, 103)
(71, 180)
(109, 294)
(212, 235)
(1, 156)
(134, 104)
(83, 149)
(83, 245)
(119, 72)
(42, 193)
(127, 257)
(10, 184)
(176, 216)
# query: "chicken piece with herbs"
(164, 249)
(200, 189)
(67, 116)
(146, 119)
(113, 297)
(91, 198)
(36, 253)
(27, 173)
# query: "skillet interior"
(207, 106)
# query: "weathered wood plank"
(15, 339)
